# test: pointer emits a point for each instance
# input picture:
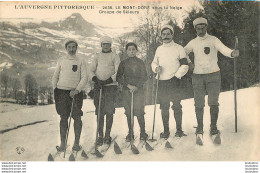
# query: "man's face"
(106, 47)
(71, 48)
(167, 36)
(201, 29)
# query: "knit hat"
(200, 20)
(167, 26)
(70, 41)
(106, 39)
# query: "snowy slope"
(40, 139)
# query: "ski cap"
(106, 39)
(200, 20)
(68, 41)
(167, 26)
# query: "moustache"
(166, 39)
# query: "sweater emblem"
(206, 50)
(74, 68)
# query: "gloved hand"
(158, 69)
(132, 88)
(108, 81)
(91, 94)
(73, 93)
(98, 82)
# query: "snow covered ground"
(38, 140)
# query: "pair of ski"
(134, 148)
(100, 151)
(72, 156)
(141, 144)
(216, 139)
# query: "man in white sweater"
(170, 64)
(206, 75)
(69, 79)
(103, 71)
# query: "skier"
(206, 75)
(69, 79)
(103, 71)
(170, 64)
(131, 76)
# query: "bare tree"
(121, 42)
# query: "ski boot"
(76, 147)
(100, 141)
(199, 131)
(128, 138)
(60, 148)
(214, 131)
(107, 140)
(180, 133)
(143, 136)
(199, 136)
(165, 135)
(215, 135)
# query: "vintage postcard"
(129, 81)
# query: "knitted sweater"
(205, 53)
(104, 66)
(168, 56)
(132, 71)
(70, 73)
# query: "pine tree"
(5, 80)
(31, 90)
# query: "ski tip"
(148, 147)
(84, 154)
(217, 140)
(98, 154)
(199, 140)
(168, 145)
(117, 148)
(134, 149)
(71, 158)
(50, 158)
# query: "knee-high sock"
(165, 119)
(101, 126)
(63, 130)
(214, 110)
(141, 123)
(109, 122)
(77, 130)
(199, 116)
(129, 123)
(178, 119)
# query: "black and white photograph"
(153, 81)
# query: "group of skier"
(109, 74)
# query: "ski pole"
(133, 147)
(132, 116)
(155, 100)
(67, 133)
(235, 83)
(98, 154)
